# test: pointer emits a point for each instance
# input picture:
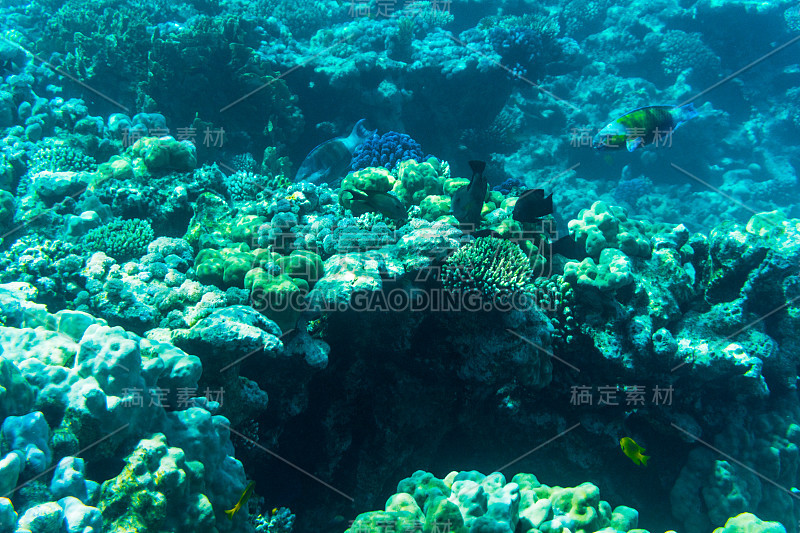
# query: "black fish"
(532, 205)
(568, 247)
(467, 201)
(361, 202)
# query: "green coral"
(278, 167)
(608, 226)
(434, 206)
(157, 490)
(489, 265)
(302, 264)
(472, 502)
(165, 153)
(122, 239)
(369, 179)
(215, 55)
(613, 271)
(280, 298)
(419, 180)
(556, 297)
(228, 267)
(750, 523)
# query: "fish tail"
(685, 112)
(643, 459)
(360, 130)
(477, 166)
(230, 513)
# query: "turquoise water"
(383, 266)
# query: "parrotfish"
(328, 162)
(634, 452)
(646, 125)
(467, 201)
(248, 491)
(360, 202)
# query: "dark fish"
(532, 205)
(360, 202)
(646, 125)
(328, 162)
(467, 201)
(568, 247)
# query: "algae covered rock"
(157, 490)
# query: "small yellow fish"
(248, 491)
(297, 195)
(633, 451)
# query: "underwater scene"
(399, 266)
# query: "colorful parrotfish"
(646, 125)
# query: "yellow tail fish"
(633, 451)
(248, 491)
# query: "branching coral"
(489, 265)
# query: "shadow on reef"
(411, 390)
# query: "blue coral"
(509, 185)
(386, 151)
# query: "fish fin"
(688, 112)
(356, 193)
(360, 129)
(549, 204)
(682, 114)
(231, 512)
(643, 459)
(477, 166)
(633, 144)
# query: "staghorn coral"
(488, 265)
(57, 156)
